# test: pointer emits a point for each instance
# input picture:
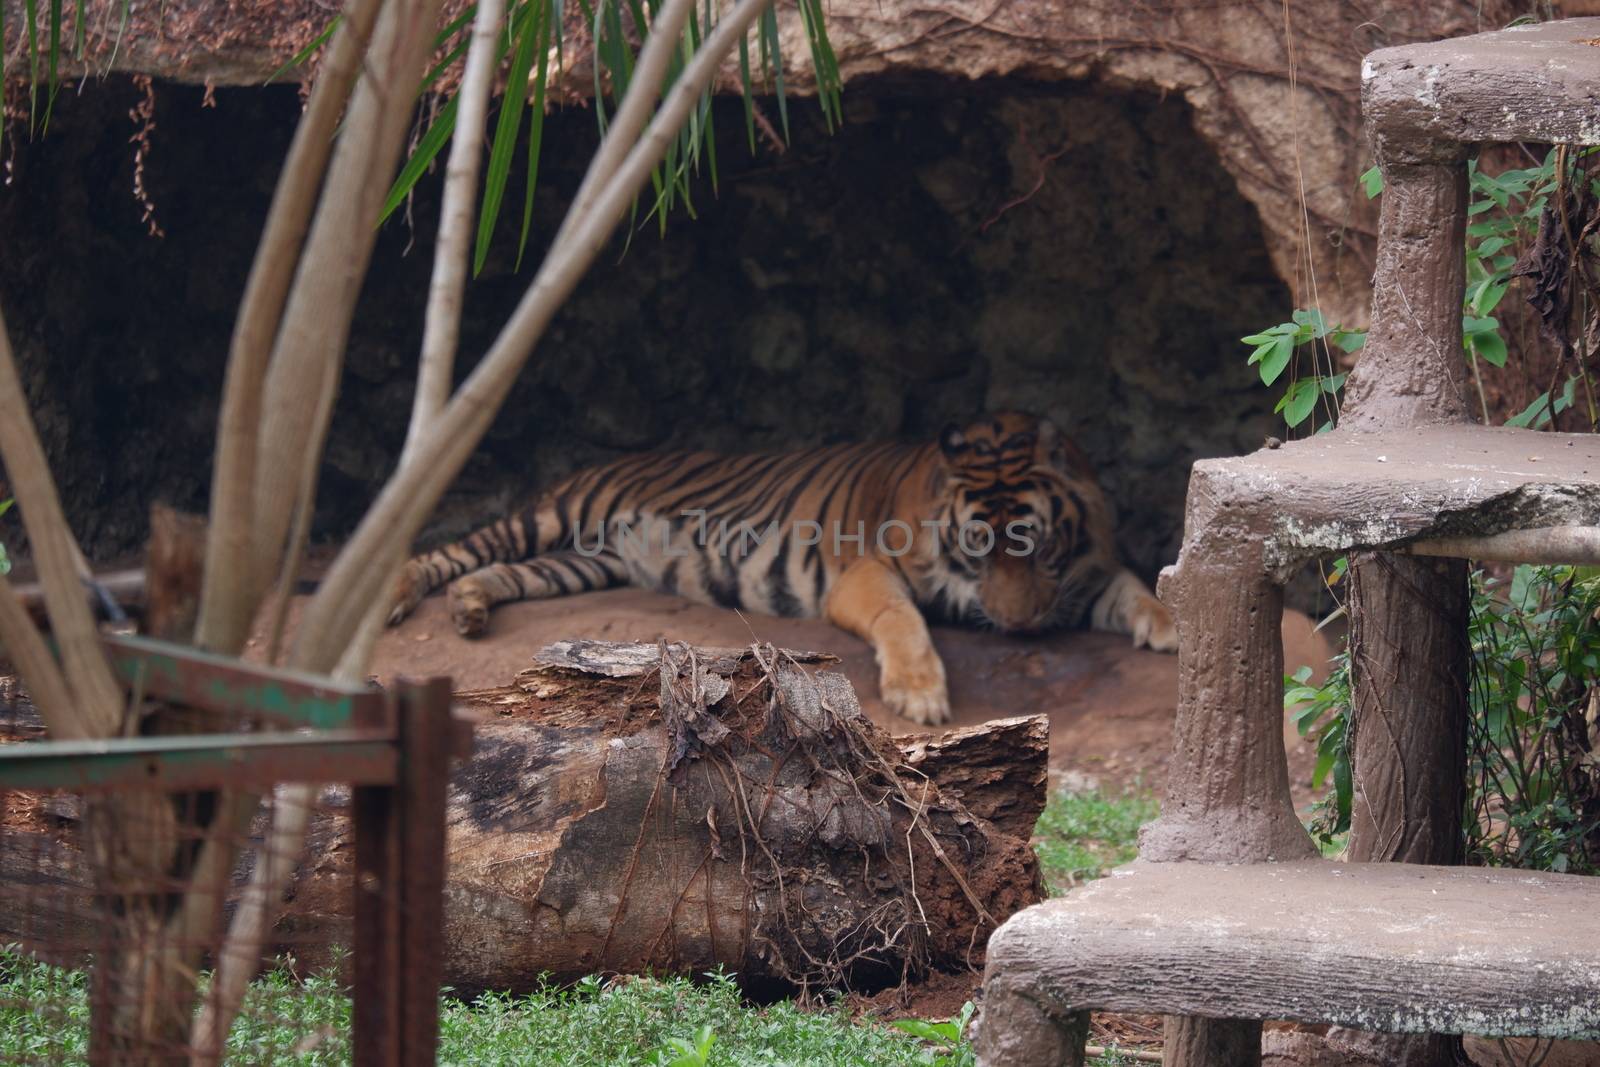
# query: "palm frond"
(531, 29)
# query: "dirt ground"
(1110, 706)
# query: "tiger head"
(1028, 532)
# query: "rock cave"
(953, 247)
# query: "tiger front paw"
(1153, 626)
(916, 690)
(469, 607)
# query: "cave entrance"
(955, 247)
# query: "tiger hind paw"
(469, 607)
(408, 593)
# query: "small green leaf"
(1489, 295)
(1372, 181)
(506, 128)
(1568, 394)
(769, 34)
(1535, 414)
(917, 1028)
(1350, 340)
(1319, 772)
(30, 10)
(1312, 318)
(308, 51)
(426, 151)
(1276, 359)
(1490, 346)
(1301, 400)
(54, 57)
(747, 91)
(535, 129)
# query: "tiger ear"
(952, 442)
(1061, 451)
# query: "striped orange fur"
(998, 523)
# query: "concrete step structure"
(1376, 946)
(1230, 917)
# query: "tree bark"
(1409, 659)
(639, 808)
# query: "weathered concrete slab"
(1392, 947)
(1347, 491)
(1527, 83)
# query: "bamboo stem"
(441, 329)
(1549, 545)
(93, 704)
(228, 599)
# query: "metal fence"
(124, 862)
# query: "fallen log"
(638, 808)
(667, 809)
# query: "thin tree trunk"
(93, 700)
(228, 604)
(407, 499)
(441, 327)
(316, 319)
(1409, 659)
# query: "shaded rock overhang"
(1274, 87)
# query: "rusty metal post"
(427, 741)
(375, 810)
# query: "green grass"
(44, 1019)
(643, 1023)
(1082, 835)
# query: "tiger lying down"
(1001, 523)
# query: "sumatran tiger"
(1000, 523)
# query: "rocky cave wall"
(954, 247)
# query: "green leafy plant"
(1534, 788)
(682, 1052)
(1321, 711)
(1274, 352)
(532, 28)
(531, 51)
(1531, 802)
(950, 1048)
(1504, 213)
(305, 1020)
(1533, 791)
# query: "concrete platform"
(1526, 83)
(1391, 947)
(1346, 491)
